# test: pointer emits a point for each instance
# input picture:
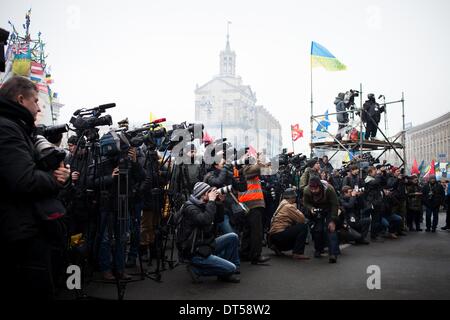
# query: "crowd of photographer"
(111, 202)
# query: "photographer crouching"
(208, 256)
(321, 202)
(288, 230)
(28, 205)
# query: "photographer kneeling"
(351, 203)
(321, 201)
(288, 230)
(208, 256)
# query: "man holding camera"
(221, 177)
(253, 198)
(23, 241)
(321, 202)
(352, 203)
(208, 255)
(433, 197)
(288, 230)
(371, 116)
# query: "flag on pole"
(415, 168)
(324, 124)
(296, 132)
(36, 68)
(431, 170)
(22, 63)
(421, 167)
(321, 57)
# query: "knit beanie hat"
(200, 189)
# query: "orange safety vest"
(254, 191)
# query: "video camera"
(349, 98)
(363, 161)
(149, 134)
(85, 119)
(179, 132)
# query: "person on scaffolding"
(342, 115)
(371, 116)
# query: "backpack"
(182, 236)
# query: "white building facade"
(228, 109)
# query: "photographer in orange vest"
(253, 198)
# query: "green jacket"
(304, 180)
(329, 201)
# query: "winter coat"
(328, 202)
(433, 195)
(342, 118)
(285, 216)
(22, 184)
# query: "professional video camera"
(179, 132)
(363, 161)
(349, 98)
(88, 119)
(150, 134)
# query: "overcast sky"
(148, 56)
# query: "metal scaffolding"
(361, 145)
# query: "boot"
(143, 250)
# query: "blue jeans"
(225, 226)
(109, 227)
(323, 237)
(392, 223)
(223, 262)
(135, 230)
(435, 213)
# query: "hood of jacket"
(17, 113)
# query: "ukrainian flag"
(321, 57)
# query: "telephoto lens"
(225, 190)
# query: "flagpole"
(311, 119)
(292, 139)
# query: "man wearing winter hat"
(208, 256)
(288, 230)
(312, 170)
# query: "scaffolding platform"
(367, 145)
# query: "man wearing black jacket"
(433, 197)
(208, 255)
(111, 236)
(23, 242)
(352, 204)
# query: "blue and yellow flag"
(321, 57)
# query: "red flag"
(207, 139)
(297, 133)
(252, 152)
(433, 168)
(415, 168)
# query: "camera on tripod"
(85, 119)
(349, 98)
(181, 131)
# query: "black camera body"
(89, 119)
